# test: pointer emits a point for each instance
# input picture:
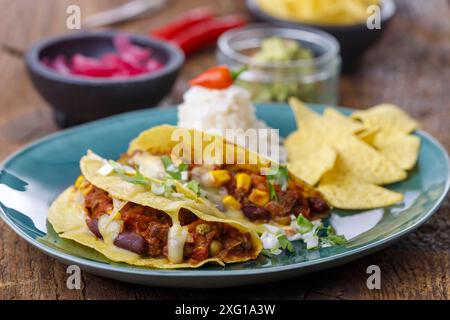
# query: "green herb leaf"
(272, 192)
(194, 186)
(166, 161)
(331, 230)
(285, 243)
(183, 167)
(280, 176)
(116, 167)
(304, 225)
(172, 170)
(267, 253)
(336, 240)
(138, 178)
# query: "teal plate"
(32, 178)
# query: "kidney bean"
(93, 226)
(132, 242)
(256, 213)
(318, 205)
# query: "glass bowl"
(311, 80)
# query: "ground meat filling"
(97, 202)
(151, 224)
(145, 231)
(287, 202)
(212, 239)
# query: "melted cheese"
(109, 229)
(109, 225)
(175, 244)
(150, 166)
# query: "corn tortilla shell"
(152, 141)
(67, 216)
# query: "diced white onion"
(311, 242)
(270, 241)
(157, 189)
(106, 169)
(270, 228)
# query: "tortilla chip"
(368, 135)
(388, 118)
(306, 159)
(346, 191)
(401, 149)
(307, 120)
(367, 163)
(311, 166)
(344, 123)
(358, 157)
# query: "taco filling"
(150, 232)
(235, 189)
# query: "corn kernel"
(79, 181)
(243, 181)
(231, 201)
(220, 176)
(259, 197)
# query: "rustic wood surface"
(409, 66)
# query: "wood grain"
(409, 66)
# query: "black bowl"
(79, 99)
(353, 39)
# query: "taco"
(232, 180)
(128, 218)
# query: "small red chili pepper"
(218, 77)
(183, 22)
(206, 33)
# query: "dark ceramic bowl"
(79, 99)
(353, 39)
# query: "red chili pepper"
(219, 77)
(207, 32)
(183, 22)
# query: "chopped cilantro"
(267, 253)
(285, 243)
(272, 192)
(336, 239)
(172, 170)
(194, 186)
(304, 225)
(280, 176)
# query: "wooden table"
(410, 66)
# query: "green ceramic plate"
(32, 178)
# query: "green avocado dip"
(272, 77)
(282, 50)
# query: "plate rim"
(202, 273)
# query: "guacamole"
(267, 82)
(282, 50)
